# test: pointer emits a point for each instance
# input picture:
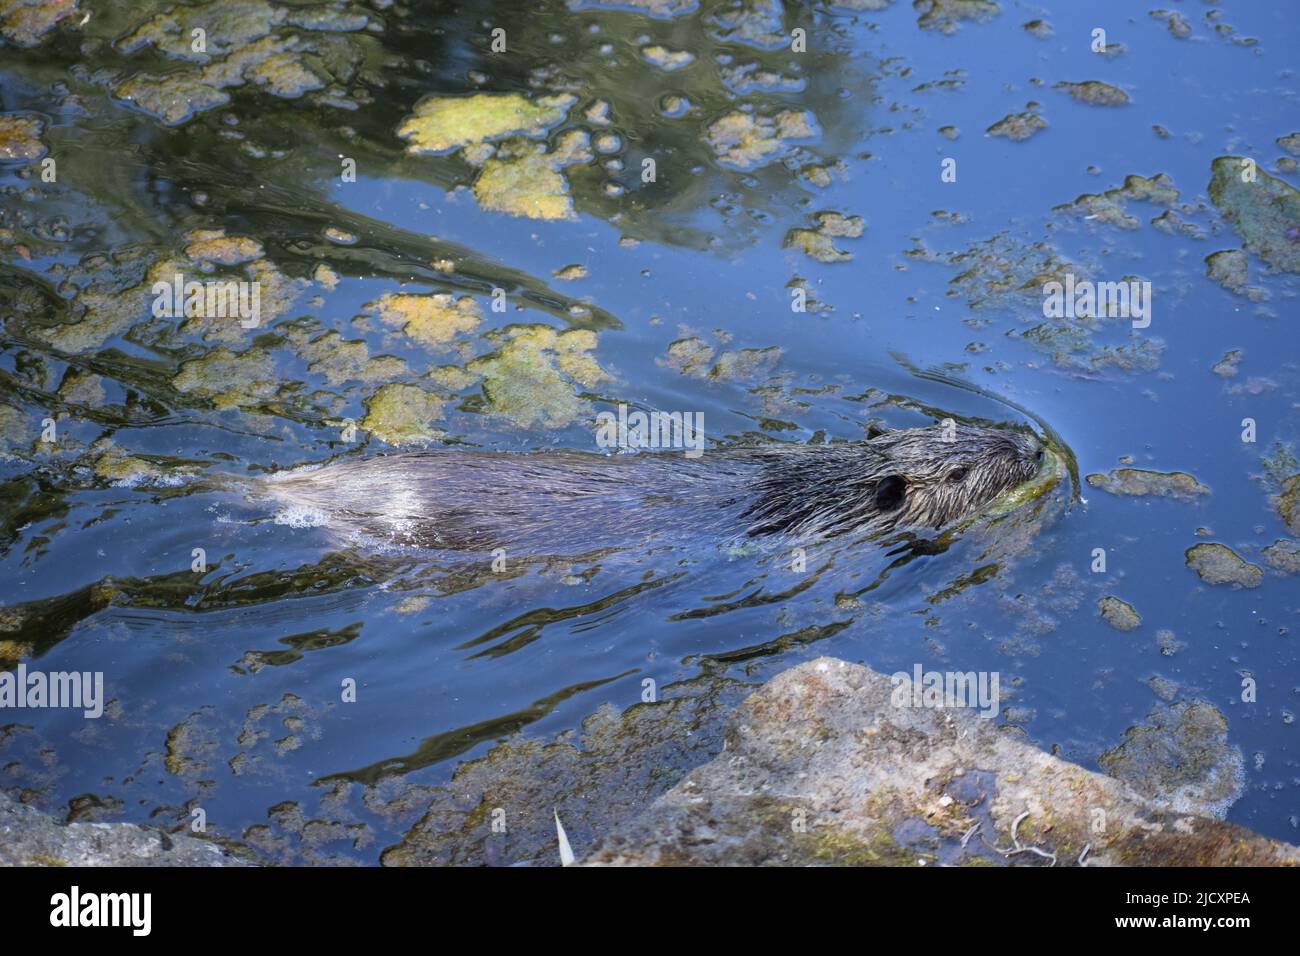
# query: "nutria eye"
(956, 475)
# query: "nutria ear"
(890, 492)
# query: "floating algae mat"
(242, 239)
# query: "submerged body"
(567, 502)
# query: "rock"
(29, 837)
(823, 767)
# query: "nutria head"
(931, 477)
(917, 477)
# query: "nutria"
(569, 502)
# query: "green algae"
(1219, 564)
(441, 123)
(229, 379)
(530, 379)
(341, 361)
(402, 415)
(1265, 212)
(1138, 482)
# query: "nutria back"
(570, 502)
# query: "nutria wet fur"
(568, 502)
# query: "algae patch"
(1138, 482)
(1118, 614)
(530, 378)
(403, 415)
(1180, 758)
(1094, 93)
(1265, 212)
(20, 138)
(1017, 126)
(440, 123)
(1219, 564)
(431, 320)
(745, 141)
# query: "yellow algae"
(213, 245)
(744, 140)
(431, 320)
(571, 273)
(326, 277)
(228, 379)
(11, 652)
(816, 245)
(444, 122)
(529, 186)
(666, 59)
(402, 415)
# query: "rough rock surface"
(29, 837)
(821, 767)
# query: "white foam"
(299, 516)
